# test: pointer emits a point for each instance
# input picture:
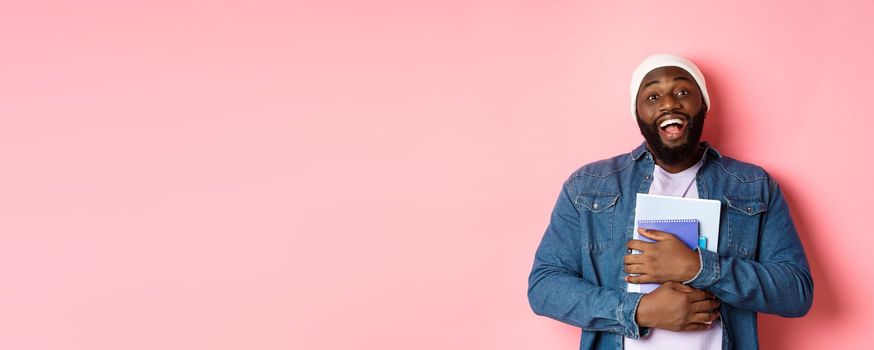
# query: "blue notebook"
(684, 229)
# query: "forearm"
(562, 296)
(782, 288)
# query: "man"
(706, 300)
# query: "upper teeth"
(671, 121)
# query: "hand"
(677, 307)
(666, 259)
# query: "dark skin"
(670, 93)
(666, 259)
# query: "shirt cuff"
(626, 314)
(709, 273)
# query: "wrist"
(642, 316)
(696, 268)
(693, 268)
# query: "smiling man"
(706, 300)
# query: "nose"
(669, 103)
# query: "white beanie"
(665, 60)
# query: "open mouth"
(672, 127)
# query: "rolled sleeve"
(626, 315)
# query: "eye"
(652, 97)
(683, 92)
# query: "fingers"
(655, 235)
(636, 269)
(642, 278)
(701, 321)
(634, 259)
(633, 264)
(696, 327)
(683, 288)
(705, 305)
(698, 295)
(689, 289)
(639, 245)
(704, 317)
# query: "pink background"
(378, 174)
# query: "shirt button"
(646, 177)
(595, 205)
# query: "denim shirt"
(578, 276)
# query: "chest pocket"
(745, 216)
(597, 211)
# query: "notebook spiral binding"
(655, 221)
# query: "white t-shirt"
(681, 184)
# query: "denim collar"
(638, 152)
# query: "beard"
(679, 154)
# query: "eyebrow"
(656, 81)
